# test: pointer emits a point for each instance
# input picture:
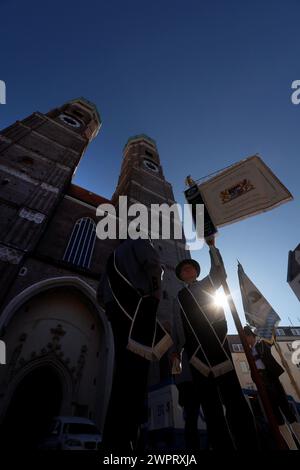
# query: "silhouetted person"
(130, 293)
(270, 371)
(204, 340)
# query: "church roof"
(77, 192)
(90, 105)
(141, 137)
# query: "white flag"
(258, 312)
(244, 189)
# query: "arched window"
(81, 244)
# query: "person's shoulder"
(181, 292)
(263, 346)
(129, 244)
(142, 244)
(205, 283)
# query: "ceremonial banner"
(258, 312)
(242, 190)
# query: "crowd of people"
(130, 291)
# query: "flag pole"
(193, 196)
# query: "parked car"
(72, 433)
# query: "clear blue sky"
(210, 81)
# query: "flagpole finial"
(189, 181)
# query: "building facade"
(293, 274)
(59, 356)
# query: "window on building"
(244, 367)
(280, 332)
(149, 154)
(81, 243)
(295, 331)
(237, 348)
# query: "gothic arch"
(89, 293)
(34, 365)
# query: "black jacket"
(273, 368)
(204, 325)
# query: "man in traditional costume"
(205, 343)
(270, 371)
(130, 292)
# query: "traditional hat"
(187, 261)
(248, 331)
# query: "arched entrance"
(58, 323)
(36, 400)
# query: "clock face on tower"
(151, 165)
(70, 121)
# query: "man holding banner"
(213, 373)
(239, 191)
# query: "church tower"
(142, 180)
(38, 158)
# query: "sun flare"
(220, 299)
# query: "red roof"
(86, 196)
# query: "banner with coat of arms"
(242, 190)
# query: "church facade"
(59, 345)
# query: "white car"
(72, 433)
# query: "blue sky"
(210, 81)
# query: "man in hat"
(270, 371)
(205, 343)
(129, 291)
